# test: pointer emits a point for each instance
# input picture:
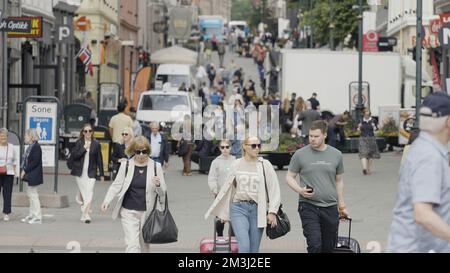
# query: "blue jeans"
(244, 220)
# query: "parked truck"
(212, 26)
(390, 76)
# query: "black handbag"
(283, 224)
(183, 149)
(160, 227)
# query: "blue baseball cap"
(439, 103)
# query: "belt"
(246, 201)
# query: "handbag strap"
(265, 182)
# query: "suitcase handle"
(349, 220)
(215, 234)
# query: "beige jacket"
(121, 185)
(221, 205)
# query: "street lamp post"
(331, 26)
(419, 35)
(360, 106)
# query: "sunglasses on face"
(255, 146)
(125, 134)
(141, 152)
(87, 131)
(224, 147)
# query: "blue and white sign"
(43, 118)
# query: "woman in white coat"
(243, 197)
(138, 183)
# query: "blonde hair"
(129, 131)
(225, 141)
(32, 133)
(139, 142)
(247, 140)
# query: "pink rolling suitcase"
(219, 244)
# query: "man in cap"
(421, 221)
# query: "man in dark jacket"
(158, 144)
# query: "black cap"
(439, 103)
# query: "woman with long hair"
(286, 113)
(218, 174)
(138, 184)
(87, 158)
(243, 197)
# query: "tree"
(340, 14)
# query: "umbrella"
(174, 55)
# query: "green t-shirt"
(318, 169)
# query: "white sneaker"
(26, 219)
(6, 218)
(35, 221)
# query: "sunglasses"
(141, 152)
(255, 146)
(224, 147)
(125, 134)
(88, 131)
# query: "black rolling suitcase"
(347, 244)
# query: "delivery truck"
(390, 78)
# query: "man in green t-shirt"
(321, 189)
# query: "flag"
(85, 56)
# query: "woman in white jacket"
(138, 183)
(242, 199)
(218, 173)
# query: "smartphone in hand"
(310, 189)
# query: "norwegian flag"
(85, 56)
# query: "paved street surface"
(370, 201)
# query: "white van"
(175, 74)
(164, 107)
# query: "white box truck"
(329, 74)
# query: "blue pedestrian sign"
(43, 118)
(43, 127)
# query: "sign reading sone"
(43, 118)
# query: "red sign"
(445, 18)
(435, 26)
(436, 74)
(370, 41)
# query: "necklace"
(141, 171)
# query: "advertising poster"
(407, 119)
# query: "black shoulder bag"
(283, 224)
(160, 227)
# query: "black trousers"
(6, 187)
(320, 227)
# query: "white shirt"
(12, 159)
(156, 145)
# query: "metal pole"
(5, 70)
(419, 35)
(360, 106)
(310, 27)
(445, 73)
(331, 26)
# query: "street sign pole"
(4, 105)
(360, 106)
(419, 38)
(56, 136)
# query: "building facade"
(214, 7)
(102, 37)
(128, 35)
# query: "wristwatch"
(342, 208)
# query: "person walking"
(137, 128)
(8, 164)
(321, 189)
(368, 148)
(336, 126)
(138, 184)
(221, 50)
(307, 117)
(119, 122)
(243, 197)
(32, 174)
(159, 145)
(421, 220)
(87, 158)
(315, 104)
(186, 144)
(119, 152)
(238, 124)
(286, 113)
(218, 174)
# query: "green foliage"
(389, 129)
(288, 143)
(351, 129)
(340, 14)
